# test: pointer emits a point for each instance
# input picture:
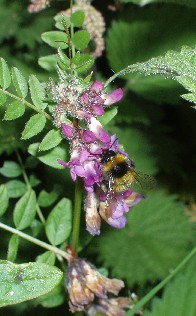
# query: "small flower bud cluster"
(37, 5)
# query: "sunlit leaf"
(37, 92)
(34, 126)
(13, 248)
(19, 82)
(5, 77)
(11, 169)
(51, 140)
(14, 110)
(4, 199)
(55, 39)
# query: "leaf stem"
(77, 214)
(27, 104)
(36, 241)
(159, 286)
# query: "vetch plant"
(71, 116)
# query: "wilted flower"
(88, 290)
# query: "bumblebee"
(119, 173)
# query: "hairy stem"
(157, 288)
(26, 103)
(36, 241)
(77, 214)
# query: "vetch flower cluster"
(88, 290)
(91, 148)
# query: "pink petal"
(113, 97)
(89, 136)
(97, 86)
(67, 130)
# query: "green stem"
(77, 214)
(36, 241)
(39, 213)
(27, 103)
(157, 288)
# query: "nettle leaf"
(5, 77)
(179, 295)
(50, 158)
(46, 199)
(59, 222)
(25, 210)
(13, 248)
(4, 199)
(81, 39)
(19, 82)
(15, 188)
(62, 21)
(47, 257)
(77, 18)
(51, 140)
(37, 91)
(11, 169)
(154, 241)
(34, 126)
(48, 62)
(3, 98)
(14, 110)
(22, 282)
(55, 39)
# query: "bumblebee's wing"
(143, 182)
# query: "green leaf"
(179, 295)
(48, 62)
(5, 78)
(77, 18)
(47, 257)
(4, 199)
(25, 210)
(34, 126)
(51, 140)
(189, 3)
(50, 158)
(13, 248)
(3, 98)
(10, 169)
(15, 188)
(59, 222)
(83, 62)
(155, 240)
(37, 91)
(55, 39)
(22, 282)
(46, 199)
(61, 21)
(34, 181)
(108, 115)
(19, 82)
(14, 110)
(81, 39)
(63, 60)
(53, 299)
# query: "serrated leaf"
(55, 39)
(13, 248)
(3, 98)
(47, 257)
(50, 158)
(179, 295)
(14, 110)
(22, 282)
(48, 62)
(108, 116)
(11, 169)
(46, 199)
(81, 39)
(15, 188)
(25, 210)
(34, 126)
(5, 77)
(59, 222)
(19, 82)
(51, 140)
(154, 241)
(77, 18)
(37, 92)
(83, 62)
(4, 199)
